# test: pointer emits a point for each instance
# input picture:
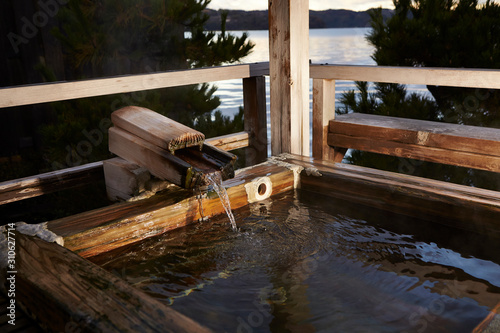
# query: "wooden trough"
(57, 286)
(73, 290)
(168, 149)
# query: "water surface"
(306, 263)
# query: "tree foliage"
(118, 37)
(444, 33)
(115, 37)
(433, 33)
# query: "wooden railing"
(62, 91)
(254, 136)
(475, 147)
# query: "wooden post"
(323, 112)
(289, 75)
(254, 103)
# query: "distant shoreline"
(240, 20)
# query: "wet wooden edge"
(460, 206)
(60, 287)
(101, 230)
(491, 323)
(91, 232)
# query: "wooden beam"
(61, 91)
(323, 112)
(29, 187)
(24, 323)
(491, 323)
(63, 291)
(97, 231)
(125, 180)
(289, 75)
(254, 104)
(159, 162)
(453, 77)
(467, 146)
(230, 141)
(157, 129)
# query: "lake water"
(346, 46)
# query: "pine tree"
(117, 37)
(444, 33)
(433, 33)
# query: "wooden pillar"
(323, 112)
(254, 104)
(289, 75)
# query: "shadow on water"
(306, 263)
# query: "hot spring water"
(306, 263)
(215, 180)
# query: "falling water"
(215, 180)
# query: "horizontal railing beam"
(453, 77)
(230, 141)
(45, 183)
(460, 145)
(52, 92)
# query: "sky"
(357, 5)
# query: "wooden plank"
(125, 180)
(467, 146)
(422, 132)
(254, 104)
(104, 229)
(23, 323)
(323, 112)
(29, 187)
(52, 92)
(424, 153)
(61, 289)
(158, 161)
(464, 207)
(453, 77)
(230, 141)
(156, 128)
(289, 76)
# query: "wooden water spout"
(169, 150)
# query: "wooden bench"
(460, 145)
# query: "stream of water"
(215, 180)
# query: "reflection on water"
(305, 263)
